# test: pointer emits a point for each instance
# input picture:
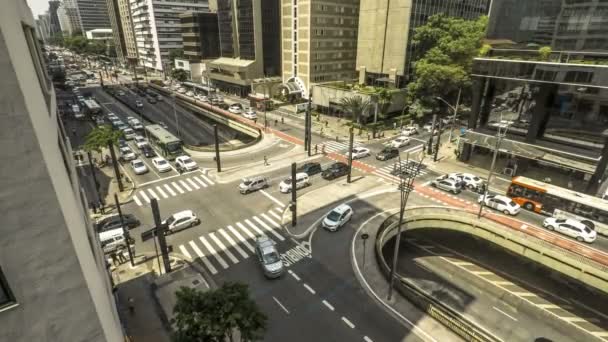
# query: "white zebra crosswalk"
(171, 188)
(336, 147)
(230, 245)
(393, 170)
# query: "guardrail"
(573, 265)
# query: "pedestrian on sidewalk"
(131, 304)
(266, 161)
(282, 120)
(323, 148)
(276, 122)
(121, 257)
(316, 148)
(73, 131)
(395, 125)
(114, 259)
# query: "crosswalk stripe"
(185, 252)
(233, 243)
(207, 179)
(200, 181)
(243, 228)
(274, 223)
(257, 230)
(185, 185)
(193, 184)
(263, 224)
(275, 215)
(137, 201)
(203, 257)
(240, 237)
(153, 194)
(146, 198)
(170, 190)
(161, 192)
(280, 210)
(223, 248)
(177, 187)
(213, 252)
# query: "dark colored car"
(122, 143)
(310, 168)
(387, 153)
(148, 151)
(113, 222)
(223, 105)
(334, 171)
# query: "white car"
(190, 93)
(180, 221)
(469, 180)
(139, 104)
(250, 114)
(127, 154)
(129, 133)
(234, 109)
(161, 164)
(140, 141)
(137, 126)
(572, 228)
(185, 163)
(360, 152)
(138, 166)
(181, 90)
(337, 217)
(409, 131)
(500, 203)
(400, 142)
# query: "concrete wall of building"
(48, 251)
(324, 95)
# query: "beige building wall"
(382, 41)
(127, 28)
(319, 41)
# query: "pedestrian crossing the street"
(393, 170)
(234, 243)
(171, 188)
(336, 146)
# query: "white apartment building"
(157, 28)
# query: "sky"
(38, 6)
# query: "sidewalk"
(266, 141)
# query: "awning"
(292, 88)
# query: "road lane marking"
(243, 228)
(143, 194)
(275, 215)
(329, 306)
(177, 187)
(255, 228)
(281, 305)
(280, 210)
(276, 225)
(295, 276)
(161, 192)
(349, 323)
(233, 243)
(309, 289)
(137, 201)
(223, 248)
(213, 252)
(207, 179)
(170, 190)
(462, 263)
(267, 227)
(272, 198)
(200, 181)
(504, 313)
(203, 257)
(185, 185)
(600, 333)
(503, 283)
(241, 238)
(185, 252)
(367, 339)
(524, 294)
(481, 272)
(193, 184)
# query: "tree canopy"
(175, 53)
(100, 137)
(447, 47)
(356, 106)
(216, 315)
(179, 74)
(80, 44)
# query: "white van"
(302, 180)
(112, 240)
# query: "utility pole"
(125, 231)
(159, 231)
(92, 168)
(309, 111)
(306, 114)
(135, 74)
(115, 164)
(406, 185)
(430, 144)
(351, 139)
(175, 116)
(502, 132)
(217, 148)
(293, 207)
(438, 140)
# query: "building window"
(6, 296)
(39, 66)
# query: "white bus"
(77, 112)
(91, 107)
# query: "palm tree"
(384, 98)
(356, 106)
(104, 136)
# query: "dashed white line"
(349, 323)
(504, 313)
(367, 339)
(295, 276)
(281, 305)
(309, 289)
(270, 197)
(329, 306)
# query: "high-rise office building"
(126, 22)
(69, 18)
(319, 39)
(43, 26)
(384, 50)
(54, 25)
(250, 44)
(200, 35)
(117, 30)
(555, 105)
(54, 284)
(93, 14)
(157, 28)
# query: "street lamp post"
(175, 116)
(502, 132)
(455, 109)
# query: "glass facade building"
(547, 79)
(200, 35)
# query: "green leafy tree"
(485, 50)
(104, 136)
(385, 99)
(175, 53)
(179, 74)
(217, 315)
(447, 47)
(356, 106)
(545, 53)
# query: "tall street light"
(502, 132)
(455, 109)
(175, 116)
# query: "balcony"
(586, 58)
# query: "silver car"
(253, 184)
(269, 257)
(447, 184)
